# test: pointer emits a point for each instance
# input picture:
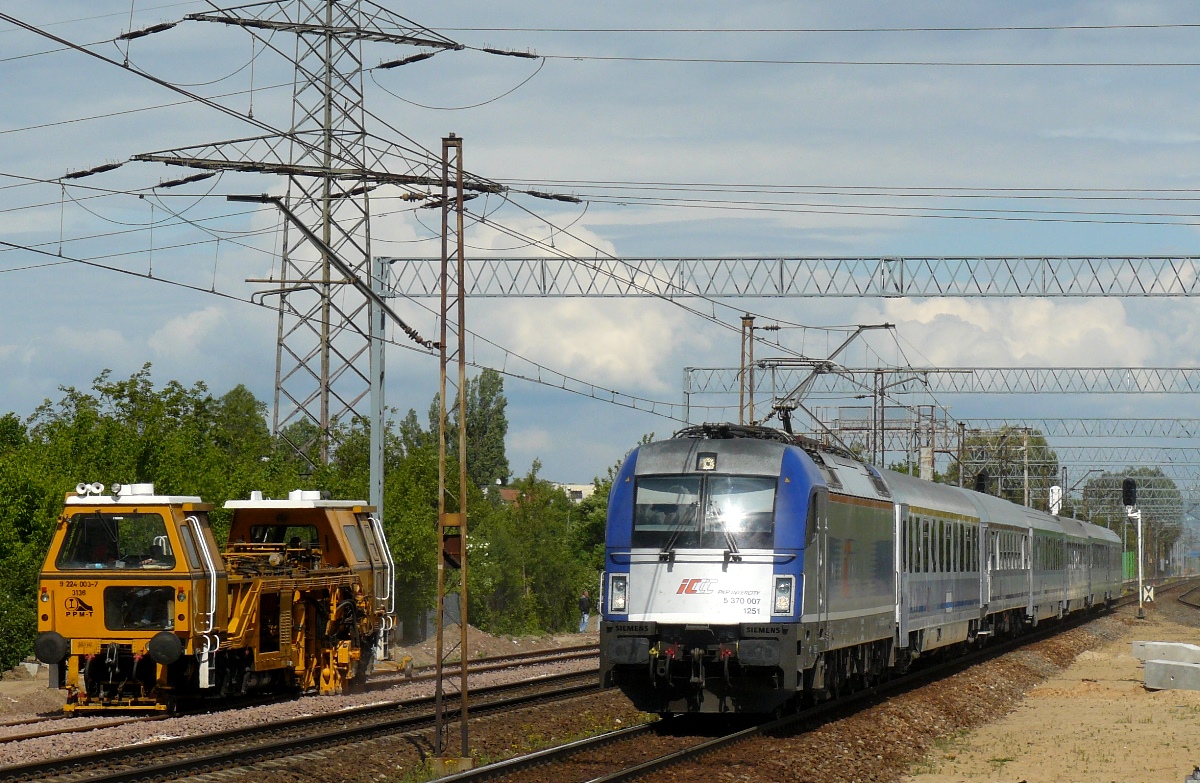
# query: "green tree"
(1159, 499)
(999, 459)
(487, 426)
(525, 573)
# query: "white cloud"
(98, 344)
(627, 345)
(1128, 135)
(182, 336)
(1022, 332)
(529, 440)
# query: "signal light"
(1129, 493)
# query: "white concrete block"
(1172, 675)
(1166, 651)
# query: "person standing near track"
(585, 610)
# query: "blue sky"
(578, 120)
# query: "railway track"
(93, 724)
(174, 758)
(491, 663)
(1190, 597)
(621, 755)
(422, 673)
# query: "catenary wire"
(526, 80)
(599, 391)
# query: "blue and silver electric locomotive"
(745, 567)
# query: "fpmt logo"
(696, 587)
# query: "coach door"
(822, 565)
(991, 547)
(1027, 564)
(900, 558)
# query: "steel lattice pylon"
(331, 162)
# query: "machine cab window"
(115, 541)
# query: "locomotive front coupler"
(697, 677)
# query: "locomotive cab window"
(704, 512)
(742, 507)
(99, 540)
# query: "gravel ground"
(881, 742)
(878, 743)
(1092, 721)
(492, 738)
(959, 729)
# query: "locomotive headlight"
(618, 589)
(784, 590)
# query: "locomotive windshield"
(96, 540)
(704, 512)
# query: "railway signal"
(1129, 500)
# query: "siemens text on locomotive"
(138, 607)
(746, 568)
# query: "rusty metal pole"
(462, 450)
(750, 365)
(746, 322)
(962, 441)
(452, 509)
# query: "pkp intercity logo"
(696, 587)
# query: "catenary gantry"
(799, 276)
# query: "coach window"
(925, 555)
(935, 543)
(906, 545)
